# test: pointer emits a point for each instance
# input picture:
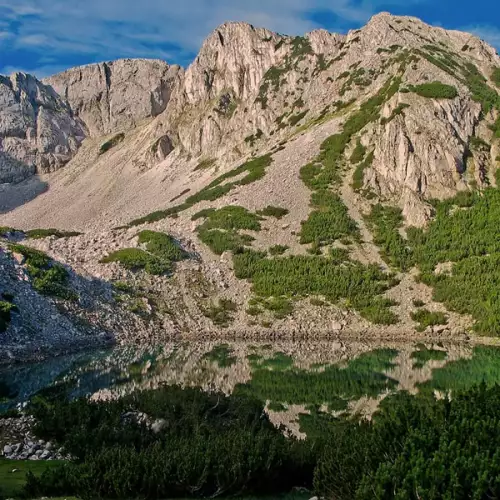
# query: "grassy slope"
(11, 483)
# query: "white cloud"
(34, 39)
(109, 28)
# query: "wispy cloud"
(71, 31)
(147, 28)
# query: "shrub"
(114, 141)
(359, 153)
(415, 447)
(294, 119)
(223, 241)
(495, 76)
(329, 221)
(284, 276)
(271, 211)
(385, 222)
(435, 90)
(162, 252)
(358, 176)
(231, 217)
(135, 259)
(281, 307)
(162, 246)
(5, 309)
(205, 164)
(478, 143)
(278, 249)
(212, 444)
(427, 318)
(338, 255)
(252, 139)
(220, 229)
(398, 110)
(45, 233)
(221, 314)
(5, 231)
(49, 278)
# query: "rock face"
(113, 96)
(38, 132)
(250, 89)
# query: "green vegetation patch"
(221, 313)
(222, 355)
(114, 141)
(464, 233)
(357, 285)
(423, 355)
(220, 229)
(224, 241)
(295, 119)
(162, 251)
(435, 90)
(251, 171)
(162, 245)
(329, 221)
(426, 318)
(211, 444)
(359, 153)
(271, 211)
(49, 278)
(5, 231)
(37, 234)
(12, 483)
(205, 164)
(231, 217)
(358, 177)
(385, 222)
(281, 307)
(278, 249)
(470, 239)
(415, 448)
(495, 76)
(135, 259)
(6, 308)
(398, 110)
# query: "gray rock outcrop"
(38, 132)
(117, 95)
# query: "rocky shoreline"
(17, 441)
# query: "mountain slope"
(327, 149)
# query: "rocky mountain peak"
(116, 95)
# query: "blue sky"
(47, 36)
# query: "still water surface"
(293, 378)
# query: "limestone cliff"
(38, 131)
(117, 95)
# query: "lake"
(295, 379)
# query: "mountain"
(337, 146)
